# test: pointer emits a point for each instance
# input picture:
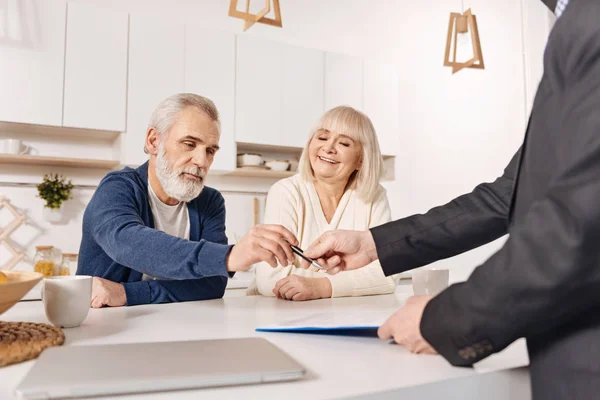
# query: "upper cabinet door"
(258, 91)
(32, 55)
(95, 68)
(303, 96)
(382, 104)
(210, 72)
(156, 71)
(343, 81)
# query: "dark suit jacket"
(465, 223)
(544, 284)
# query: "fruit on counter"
(3, 278)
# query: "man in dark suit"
(544, 284)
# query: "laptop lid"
(100, 370)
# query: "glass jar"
(69, 264)
(44, 261)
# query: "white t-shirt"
(173, 220)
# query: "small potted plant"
(54, 189)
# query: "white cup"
(278, 165)
(67, 299)
(14, 146)
(430, 281)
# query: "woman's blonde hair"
(356, 125)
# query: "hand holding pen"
(300, 253)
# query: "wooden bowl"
(19, 283)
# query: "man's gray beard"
(173, 183)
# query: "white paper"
(333, 320)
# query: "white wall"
(456, 130)
(485, 114)
(66, 235)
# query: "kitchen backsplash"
(66, 235)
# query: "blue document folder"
(368, 331)
(356, 323)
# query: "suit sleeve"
(547, 272)
(467, 222)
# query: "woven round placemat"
(22, 341)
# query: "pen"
(299, 251)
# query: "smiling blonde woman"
(337, 188)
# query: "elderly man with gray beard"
(156, 234)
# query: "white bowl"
(249, 159)
(278, 165)
(293, 165)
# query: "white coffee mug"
(430, 281)
(67, 299)
(14, 146)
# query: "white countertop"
(339, 366)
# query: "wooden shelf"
(258, 148)
(242, 147)
(80, 133)
(258, 173)
(57, 161)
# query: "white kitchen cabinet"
(343, 81)
(279, 93)
(95, 68)
(32, 54)
(381, 104)
(258, 116)
(210, 72)
(303, 96)
(156, 71)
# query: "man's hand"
(404, 326)
(107, 293)
(341, 250)
(301, 288)
(270, 243)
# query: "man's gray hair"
(163, 116)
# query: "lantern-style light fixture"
(260, 17)
(463, 48)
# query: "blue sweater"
(119, 243)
